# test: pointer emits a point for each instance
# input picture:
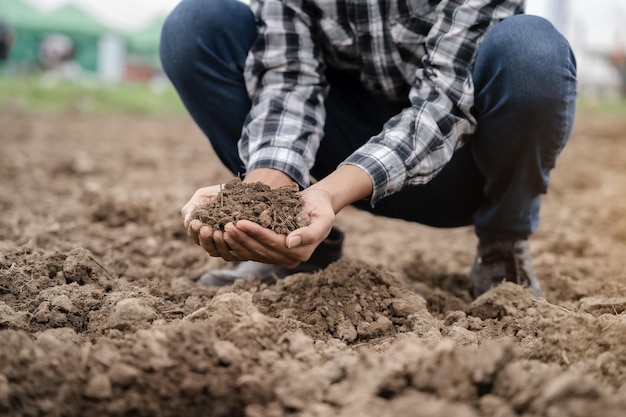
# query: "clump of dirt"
(278, 209)
(349, 300)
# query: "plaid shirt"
(420, 49)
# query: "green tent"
(17, 12)
(73, 20)
(24, 21)
(143, 44)
(31, 25)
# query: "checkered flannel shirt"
(420, 49)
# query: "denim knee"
(530, 54)
(197, 28)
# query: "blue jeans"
(525, 83)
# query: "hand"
(247, 240)
(203, 235)
(213, 241)
(250, 241)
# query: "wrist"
(345, 185)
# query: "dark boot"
(500, 261)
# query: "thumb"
(314, 233)
(293, 241)
(186, 212)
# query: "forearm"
(284, 77)
(345, 185)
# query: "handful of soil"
(278, 209)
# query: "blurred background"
(107, 44)
(113, 40)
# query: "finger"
(223, 249)
(309, 235)
(185, 212)
(201, 196)
(193, 236)
(187, 216)
(271, 249)
(275, 244)
(233, 241)
(194, 229)
(260, 234)
(206, 241)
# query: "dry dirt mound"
(100, 314)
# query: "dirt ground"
(100, 314)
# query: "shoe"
(499, 261)
(327, 252)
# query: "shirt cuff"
(282, 159)
(385, 168)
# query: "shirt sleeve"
(417, 143)
(284, 127)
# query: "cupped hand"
(203, 235)
(247, 240)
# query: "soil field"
(100, 313)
